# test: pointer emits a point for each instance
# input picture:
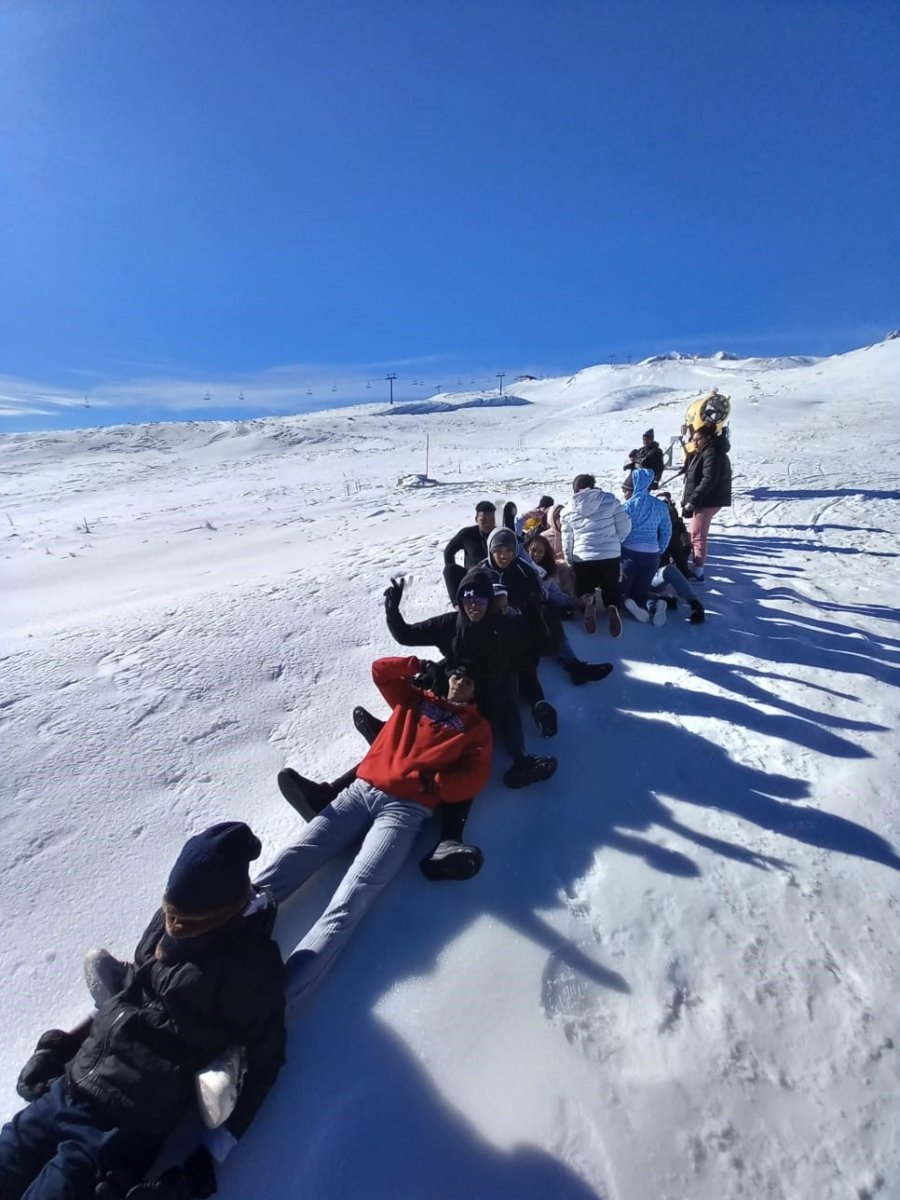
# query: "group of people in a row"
(197, 1018)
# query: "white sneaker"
(660, 612)
(219, 1085)
(104, 975)
(639, 614)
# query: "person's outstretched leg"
(333, 830)
(395, 825)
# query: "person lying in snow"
(432, 750)
(206, 978)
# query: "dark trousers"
(638, 570)
(602, 573)
(54, 1149)
(501, 708)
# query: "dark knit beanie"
(480, 583)
(649, 434)
(213, 869)
(501, 538)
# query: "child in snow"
(206, 977)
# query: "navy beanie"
(213, 869)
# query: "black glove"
(687, 510)
(393, 593)
(428, 675)
(52, 1052)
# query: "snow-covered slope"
(676, 975)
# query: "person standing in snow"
(649, 455)
(707, 490)
(594, 524)
(432, 750)
(472, 540)
(651, 530)
(206, 976)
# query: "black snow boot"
(545, 718)
(366, 724)
(452, 860)
(698, 614)
(582, 672)
(304, 795)
(530, 769)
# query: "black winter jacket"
(650, 457)
(707, 480)
(493, 645)
(471, 541)
(138, 1062)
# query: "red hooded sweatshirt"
(431, 750)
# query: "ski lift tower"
(501, 375)
(390, 379)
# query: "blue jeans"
(54, 1148)
(638, 570)
(390, 826)
(677, 581)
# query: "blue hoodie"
(651, 525)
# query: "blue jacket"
(651, 525)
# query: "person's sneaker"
(218, 1086)
(615, 621)
(639, 614)
(104, 975)
(366, 724)
(660, 612)
(582, 672)
(530, 769)
(590, 615)
(545, 718)
(698, 613)
(452, 860)
(305, 796)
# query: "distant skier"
(206, 976)
(472, 541)
(707, 490)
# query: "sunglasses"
(472, 597)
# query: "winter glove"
(52, 1052)
(428, 676)
(393, 593)
(687, 510)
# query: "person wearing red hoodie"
(431, 751)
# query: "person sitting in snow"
(432, 750)
(472, 540)
(206, 978)
(647, 540)
(537, 519)
(594, 524)
(494, 644)
(671, 580)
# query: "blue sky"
(272, 198)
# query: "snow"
(676, 975)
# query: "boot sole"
(292, 790)
(615, 621)
(453, 867)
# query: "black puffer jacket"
(145, 1044)
(707, 480)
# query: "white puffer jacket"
(594, 525)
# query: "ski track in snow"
(676, 975)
